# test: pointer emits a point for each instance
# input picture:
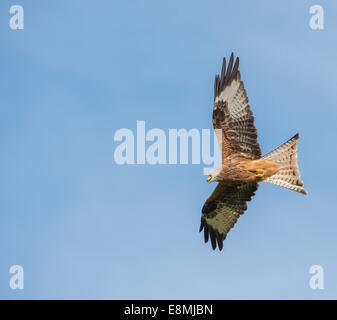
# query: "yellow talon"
(259, 173)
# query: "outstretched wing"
(223, 208)
(233, 120)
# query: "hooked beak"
(209, 178)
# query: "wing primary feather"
(216, 86)
(213, 239)
(229, 68)
(236, 67)
(223, 74)
(219, 239)
(206, 233)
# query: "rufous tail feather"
(286, 157)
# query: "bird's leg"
(259, 173)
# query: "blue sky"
(84, 227)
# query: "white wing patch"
(236, 97)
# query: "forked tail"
(286, 157)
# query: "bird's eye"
(209, 178)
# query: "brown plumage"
(243, 166)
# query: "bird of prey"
(243, 165)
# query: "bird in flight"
(242, 166)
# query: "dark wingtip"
(223, 70)
(296, 136)
(220, 244)
(213, 238)
(206, 233)
(227, 74)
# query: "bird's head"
(214, 175)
